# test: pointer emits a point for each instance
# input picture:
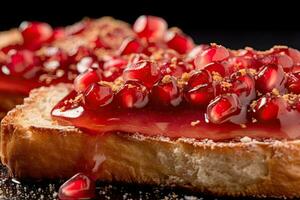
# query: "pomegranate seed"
(145, 71)
(97, 95)
(293, 83)
(223, 108)
(150, 27)
(129, 46)
(35, 34)
(79, 186)
(179, 42)
(215, 53)
(20, 63)
(199, 77)
(270, 77)
(133, 95)
(83, 81)
(266, 109)
(200, 90)
(244, 87)
(200, 95)
(166, 92)
(215, 67)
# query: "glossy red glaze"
(176, 122)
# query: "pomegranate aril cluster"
(228, 92)
(160, 67)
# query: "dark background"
(260, 24)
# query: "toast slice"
(34, 146)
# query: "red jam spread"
(165, 85)
(41, 55)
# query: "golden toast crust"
(34, 146)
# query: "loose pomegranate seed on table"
(80, 186)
